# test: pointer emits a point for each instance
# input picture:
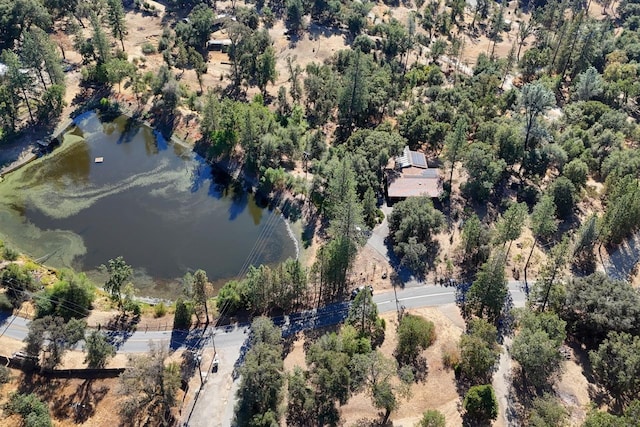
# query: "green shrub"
(432, 418)
(5, 303)
(133, 307)
(10, 254)
(230, 296)
(182, 317)
(480, 404)
(159, 310)
(148, 48)
(415, 334)
(18, 282)
(70, 297)
(547, 411)
(34, 413)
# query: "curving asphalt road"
(234, 335)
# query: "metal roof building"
(412, 177)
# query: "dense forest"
(538, 157)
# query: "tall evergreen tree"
(115, 14)
(486, 296)
(344, 209)
(20, 84)
(262, 373)
(200, 283)
(543, 225)
(509, 226)
(100, 48)
(33, 49)
(622, 215)
(353, 100)
(266, 72)
(454, 146)
(536, 99)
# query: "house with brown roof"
(409, 175)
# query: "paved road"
(231, 336)
(215, 405)
(429, 296)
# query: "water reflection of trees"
(73, 164)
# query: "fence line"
(29, 365)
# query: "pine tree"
(344, 208)
(509, 227)
(115, 14)
(536, 99)
(19, 83)
(200, 283)
(543, 225)
(454, 146)
(354, 96)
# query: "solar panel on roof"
(418, 159)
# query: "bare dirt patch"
(573, 390)
(92, 403)
(369, 268)
(317, 44)
(438, 391)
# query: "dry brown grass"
(99, 397)
(438, 391)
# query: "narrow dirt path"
(502, 385)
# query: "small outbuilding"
(219, 44)
(411, 176)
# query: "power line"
(36, 295)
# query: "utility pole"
(199, 360)
(395, 294)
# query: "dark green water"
(155, 203)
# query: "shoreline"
(28, 150)
(228, 167)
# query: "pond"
(156, 203)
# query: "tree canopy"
(596, 305)
(412, 225)
(260, 391)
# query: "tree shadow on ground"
(623, 258)
(188, 364)
(324, 319)
(192, 339)
(420, 369)
(292, 210)
(46, 388)
(4, 316)
(120, 328)
(400, 275)
(80, 405)
(369, 422)
(315, 30)
(164, 122)
(88, 99)
(597, 395)
(310, 229)
(312, 335)
(522, 395)
(246, 345)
